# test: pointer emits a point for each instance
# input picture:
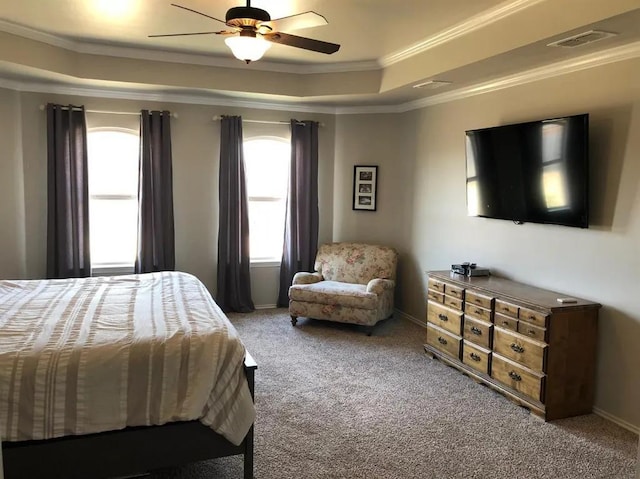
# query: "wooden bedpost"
(250, 367)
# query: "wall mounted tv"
(534, 172)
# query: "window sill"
(118, 270)
(265, 263)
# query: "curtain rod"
(173, 115)
(266, 122)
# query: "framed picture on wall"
(365, 183)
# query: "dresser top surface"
(508, 289)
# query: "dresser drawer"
(505, 322)
(452, 302)
(435, 296)
(534, 317)
(514, 346)
(531, 331)
(508, 309)
(455, 291)
(516, 377)
(475, 357)
(478, 299)
(477, 332)
(444, 317)
(436, 285)
(477, 312)
(443, 341)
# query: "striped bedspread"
(80, 356)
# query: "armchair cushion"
(334, 292)
(303, 277)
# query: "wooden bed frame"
(128, 452)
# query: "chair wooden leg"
(294, 320)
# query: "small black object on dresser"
(469, 269)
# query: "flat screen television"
(534, 172)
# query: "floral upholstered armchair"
(353, 283)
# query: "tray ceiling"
(386, 47)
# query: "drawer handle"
(532, 318)
(505, 308)
(506, 323)
(474, 356)
(441, 340)
(517, 348)
(515, 376)
(477, 331)
(443, 317)
(479, 301)
(531, 332)
(478, 311)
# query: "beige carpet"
(335, 403)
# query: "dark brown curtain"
(234, 282)
(301, 227)
(156, 239)
(68, 252)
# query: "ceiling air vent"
(582, 39)
(432, 84)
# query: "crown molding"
(476, 22)
(37, 35)
(174, 57)
(216, 61)
(163, 97)
(10, 84)
(370, 109)
(592, 60)
(92, 48)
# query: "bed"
(112, 376)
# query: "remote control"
(567, 300)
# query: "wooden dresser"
(516, 339)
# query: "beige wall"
(421, 202)
(195, 143)
(388, 141)
(12, 250)
(599, 263)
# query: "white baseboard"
(616, 420)
(610, 417)
(265, 306)
(408, 317)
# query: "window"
(267, 172)
(113, 199)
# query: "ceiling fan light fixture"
(251, 31)
(247, 48)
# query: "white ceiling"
(386, 47)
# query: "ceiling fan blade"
(199, 13)
(187, 34)
(295, 22)
(302, 42)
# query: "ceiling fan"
(251, 31)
